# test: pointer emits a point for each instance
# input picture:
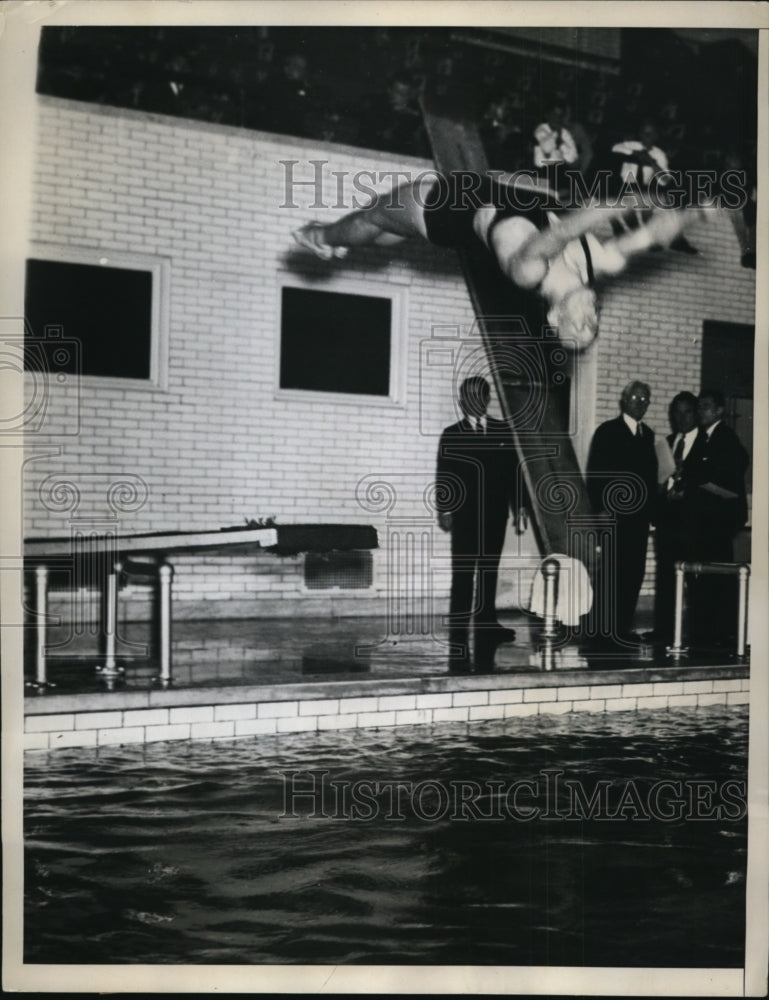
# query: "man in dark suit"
(719, 510)
(622, 485)
(674, 534)
(476, 491)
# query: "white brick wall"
(651, 320)
(218, 446)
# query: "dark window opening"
(334, 342)
(727, 365)
(105, 311)
(352, 570)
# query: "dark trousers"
(667, 552)
(474, 574)
(673, 541)
(624, 574)
(713, 613)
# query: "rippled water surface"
(179, 853)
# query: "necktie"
(678, 454)
(638, 429)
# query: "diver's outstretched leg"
(393, 216)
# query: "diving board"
(103, 559)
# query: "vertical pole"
(677, 647)
(547, 655)
(394, 623)
(166, 577)
(742, 611)
(41, 605)
(111, 618)
(550, 569)
(110, 671)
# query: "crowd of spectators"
(363, 89)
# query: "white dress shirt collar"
(632, 424)
(688, 439)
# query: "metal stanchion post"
(742, 612)
(41, 604)
(678, 649)
(741, 570)
(110, 671)
(165, 574)
(550, 570)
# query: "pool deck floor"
(242, 677)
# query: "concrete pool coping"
(55, 721)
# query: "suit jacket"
(615, 456)
(689, 464)
(676, 516)
(686, 480)
(477, 476)
(722, 461)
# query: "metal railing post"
(678, 649)
(165, 573)
(550, 570)
(41, 606)
(741, 570)
(110, 671)
(742, 611)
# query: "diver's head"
(575, 316)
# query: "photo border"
(18, 48)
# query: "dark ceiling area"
(359, 86)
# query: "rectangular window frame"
(160, 269)
(396, 292)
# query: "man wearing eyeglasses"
(622, 486)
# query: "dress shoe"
(495, 632)
(484, 664)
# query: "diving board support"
(110, 671)
(120, 561)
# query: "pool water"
(182, 853)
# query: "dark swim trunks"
(453, 200)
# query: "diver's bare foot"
(310, 236)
